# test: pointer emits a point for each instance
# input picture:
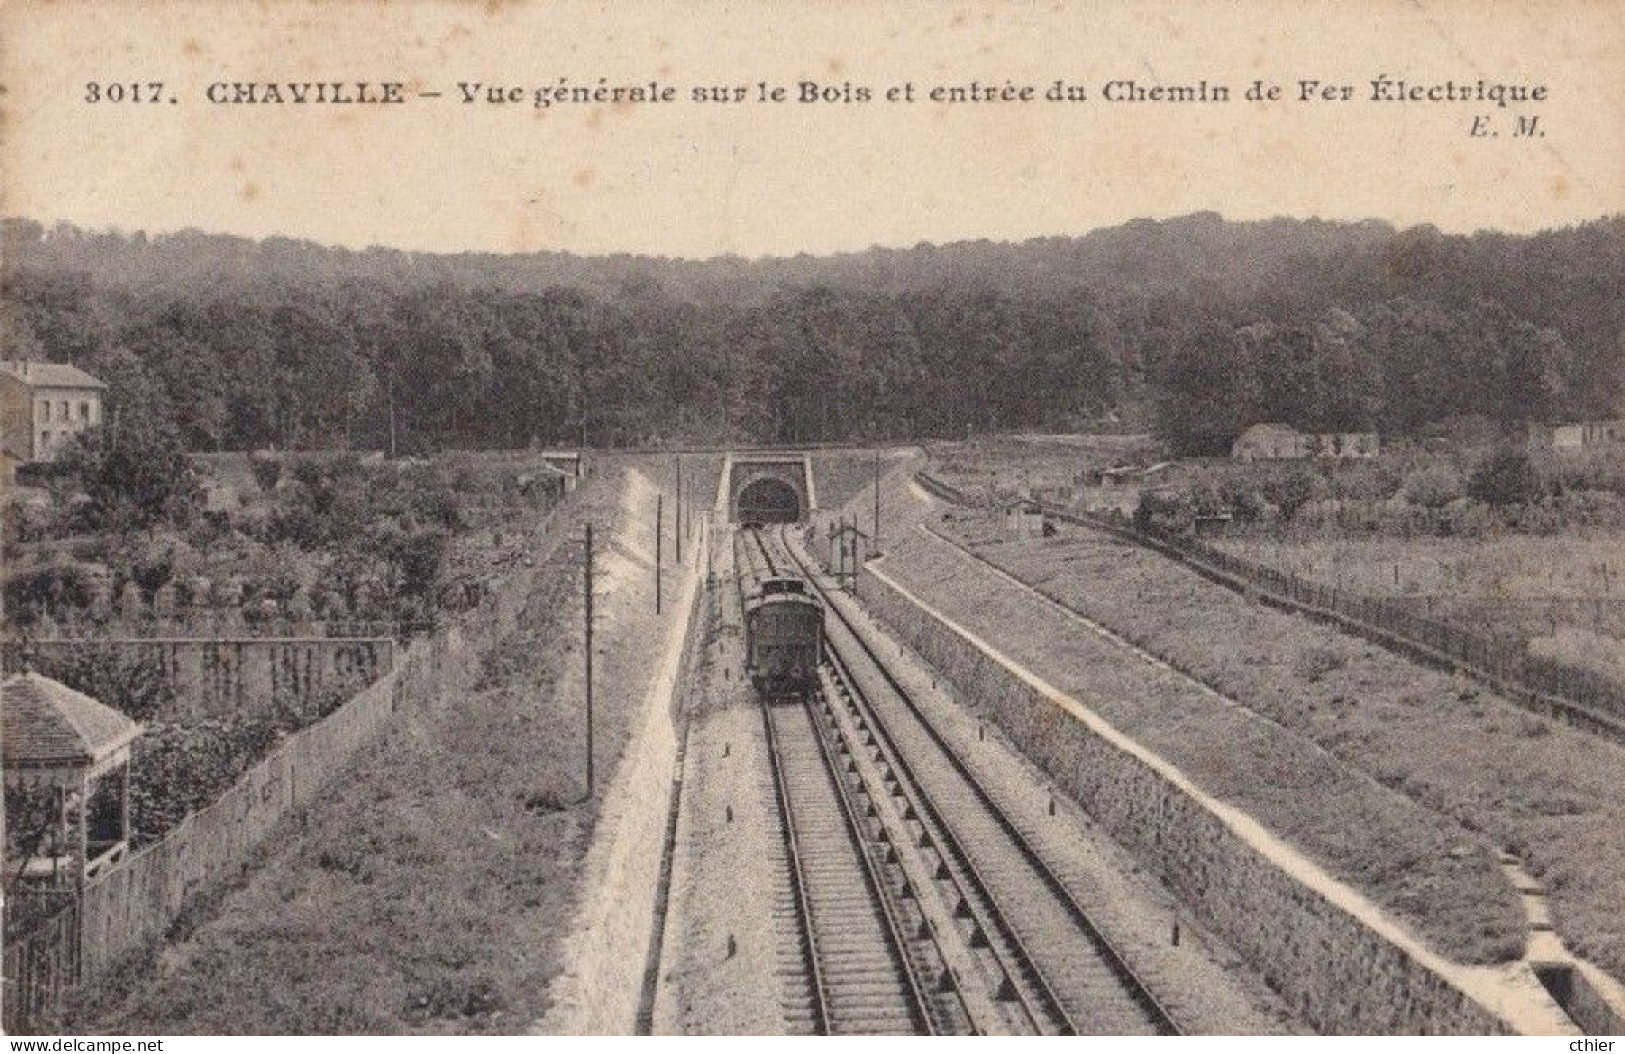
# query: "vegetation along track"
(1056, 963)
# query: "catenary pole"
(874, 544)
(588, 655)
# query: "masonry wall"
(250, 675)
(1341, 976)
(136, 901)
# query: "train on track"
(784, 619)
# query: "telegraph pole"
(390, 388)
(678, 523)
(660, 521)
(846, 549)
(874, 544)
(588, 657)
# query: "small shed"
(1025, 517)
(1575, 435)
(67, 780)
(847, 540)
(1209, 522)
(548, 481)
(568, 462)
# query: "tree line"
(1195, 327)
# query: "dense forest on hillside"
(1196, 326)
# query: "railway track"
(1050, 962)
(867, 966)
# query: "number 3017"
(134, 91)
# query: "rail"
(919, 1006)
(993, 917)
(798, 884)
(1133, 985)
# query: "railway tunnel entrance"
(769, 500)
(767, 488)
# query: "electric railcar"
(784, 625)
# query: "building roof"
(49, 374)
(45, 722)
(1269, 428)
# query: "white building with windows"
(1273, 441)
(1575, 435)
(43, 405)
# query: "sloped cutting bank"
(607, 951)
(1342, 975)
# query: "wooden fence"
(38, 967)
(136, 902)
(1583, 698)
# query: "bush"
(134, 472)
(1433, 486)
(152, 569)
(179, 769)
(132, 683)
(1245, 497)
(1506, 478)
(1312, 664)
(1295, 491)
(1597, 507)
(1364, 480)
(59, 586)
(267, 471)
(1165, 510)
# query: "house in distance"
(43, 405)
(1273, 441)
(1577, 435)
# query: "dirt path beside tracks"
(599, 990)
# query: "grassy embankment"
(429, 894)
(1547, 793)
(1410, 856)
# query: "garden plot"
(429, 894)
(1515, 585)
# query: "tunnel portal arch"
(769, 500)
(767, 488)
